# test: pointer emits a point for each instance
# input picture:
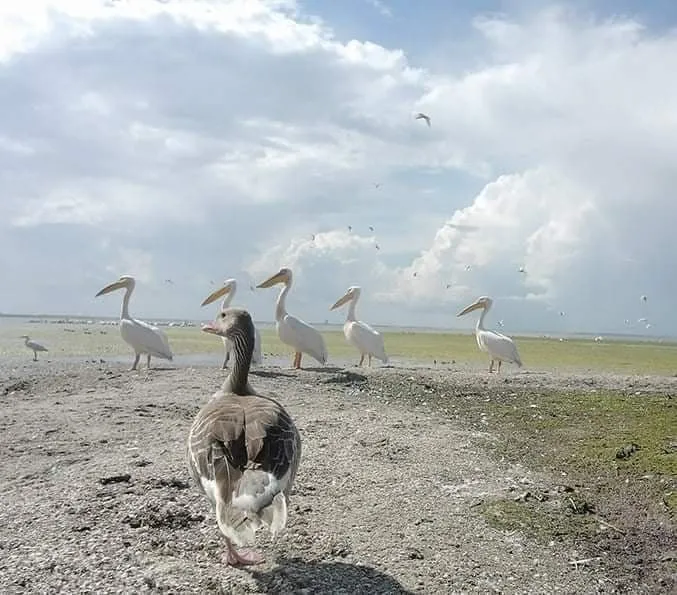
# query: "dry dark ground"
(410, 482)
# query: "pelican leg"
(225, 361)
(370, 360)
(491, 366)
(35, 356)
(361, 361)
(297, 360)
(148, 362)
(499, 365)
(300, 357)
(136, 361)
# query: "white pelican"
(228, 291)
(243, 448)
(34, 346)
(141, 336)
(498, 346)
(365, 339)
(291, 330)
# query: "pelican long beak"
(470, 308)
(274, 280)
(215, 295)
(112, 287)
(346, 298)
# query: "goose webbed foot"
(245, 557)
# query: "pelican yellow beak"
(278, 277)
(215, 295)
(121, 284)
(346, 298)
(470, 308)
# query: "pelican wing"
(302, 337)
(499, 346)
(145, 338)
(366, 339)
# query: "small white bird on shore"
(34, 346)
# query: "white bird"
(364, 338)
(140, 336)
(498, 346)
(34, 346)
(243, 449)
(422, 116)
(292, 330)
(228, 291)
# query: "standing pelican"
(34, 346)
(141, 336)
(228, 291)
(291, 330)
(498, 346)
(367, 340)
(243, 448)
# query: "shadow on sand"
(294, 575)
(270, 374)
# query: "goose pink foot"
(242, 558)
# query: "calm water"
(20, 322)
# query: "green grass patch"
(586, 431)
(538, 521)
(537, 353)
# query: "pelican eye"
(222, 315)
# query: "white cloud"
(200, 140)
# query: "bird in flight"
(422, 116)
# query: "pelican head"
(24, 337)
(229, 285)
(282, 276)
(481, 302)
(233, 324)
(124, 282)
(352, 294)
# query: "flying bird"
(422, 116)
(228, 291)
(243, 449)
(498, 346)
(34, 346)
(364, 338)
(292, 330)
(141, 336)
(371, 228)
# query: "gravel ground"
(96, 496)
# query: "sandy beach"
(399, 468)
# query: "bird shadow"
(323, 369)
(293, 575)
(270, 374)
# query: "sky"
(185, 142)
